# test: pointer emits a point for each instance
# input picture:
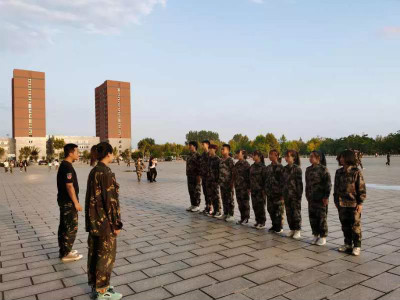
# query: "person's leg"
(346, 219)
(216, 199)
(105, 261)
(191, 182)
(231, 203)
(289, 213)
(92, 259)
(314, 217)
(297, 213)
(356, 230)
(206, 198)
(68, 229)
(323, 221)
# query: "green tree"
(25, 152)
(314, 144)
(202, 135)
(126, 154)
(35, 153)
(240, 142)
(50, 148)
(272, 142)
(283, 142)
(115, 152)
(260, 144)
(86, 155)
(59, 144)
(137, 154)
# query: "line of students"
(102, 216)
(278, 188)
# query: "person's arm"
(299, 182)
(327, 187)
(111, 202)
(361, 191)
(336, 189)
(72, 195)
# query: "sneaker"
(195, 209)
(315, 240)
(218, 215)
(261, 226)
(74, 252)
(356, 251)
(290, 233)
(189, 208)
(110, 294)
(255, 225)
(321, 241)
(71, 257)
(230, 218)
(344, 248)
(278, 231)
(297, 235)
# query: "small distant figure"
(49, 164)
(118, 160)
(6, 165)
(56, 165)
(153, 169)
(21, 166)
(25, 165)
(11, 167)
(359, 156)
(388, 159)
(139, 169)
(128, 163)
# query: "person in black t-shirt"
(67, 198)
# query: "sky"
(302, 68)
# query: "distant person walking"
(6, 165)
(25, 165)
(21, 166)
(153, 169)
(103, 223)
(67, 198)
(388, 159)
(139, 169)
(11, 167)
(49, 164)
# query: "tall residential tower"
(29, 110)
(113, 114)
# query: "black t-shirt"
(66, 174)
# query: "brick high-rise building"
(113, 113)
(29, 110)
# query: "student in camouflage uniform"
(139, 169)
(241, 175)
(226, 166)
(275, 203)
(212, 181)
(204, 171)
(292, 190)
(349, 195)
(103, 223)
(258, 177)
(318, 189)
(68, 202)
(193, 177)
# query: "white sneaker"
(315, 240)
(279, 232)
(344, 248)
(290, 233)
(230, 219)
(74, 252)
(189, 208)
(261, 226)
(195, 209)
(356, 251)
(321, 241)
(297, 235)
(71, 257)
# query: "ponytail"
(321, 156)
(295, 155)
(102, 150)
(260, 155)
(93, 155)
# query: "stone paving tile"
(166, 252)
(395, 295)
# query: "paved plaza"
(165, 252)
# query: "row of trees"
(264, 143)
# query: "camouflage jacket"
(349, 187)
(204, 164)
(292, 182)
(273, 183)
(241, 175)
(193, 164)
(258, 176)
(139, 168)
(226, 166)
(213, 169)
(318, 183)
(102, 211)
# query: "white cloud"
(27, 23)
(391, 32)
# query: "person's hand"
(117, 232)
(359, 208)
(325, 201)
(78, 207)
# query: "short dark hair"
(349, 157)
(69, 148)
(213, 146)
(194, 143)
(102, 150)
(244, 153)
(206, 142)
(227, 146)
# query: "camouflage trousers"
(318, 215)
(351, 225)
(276, 209)
(204, 187)
(213, 195)
(194, 190)
(101, 258)
(228, 202)
(139, 176)
(67, 229)
(243, 200)
(293, 212)
(258, 200)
